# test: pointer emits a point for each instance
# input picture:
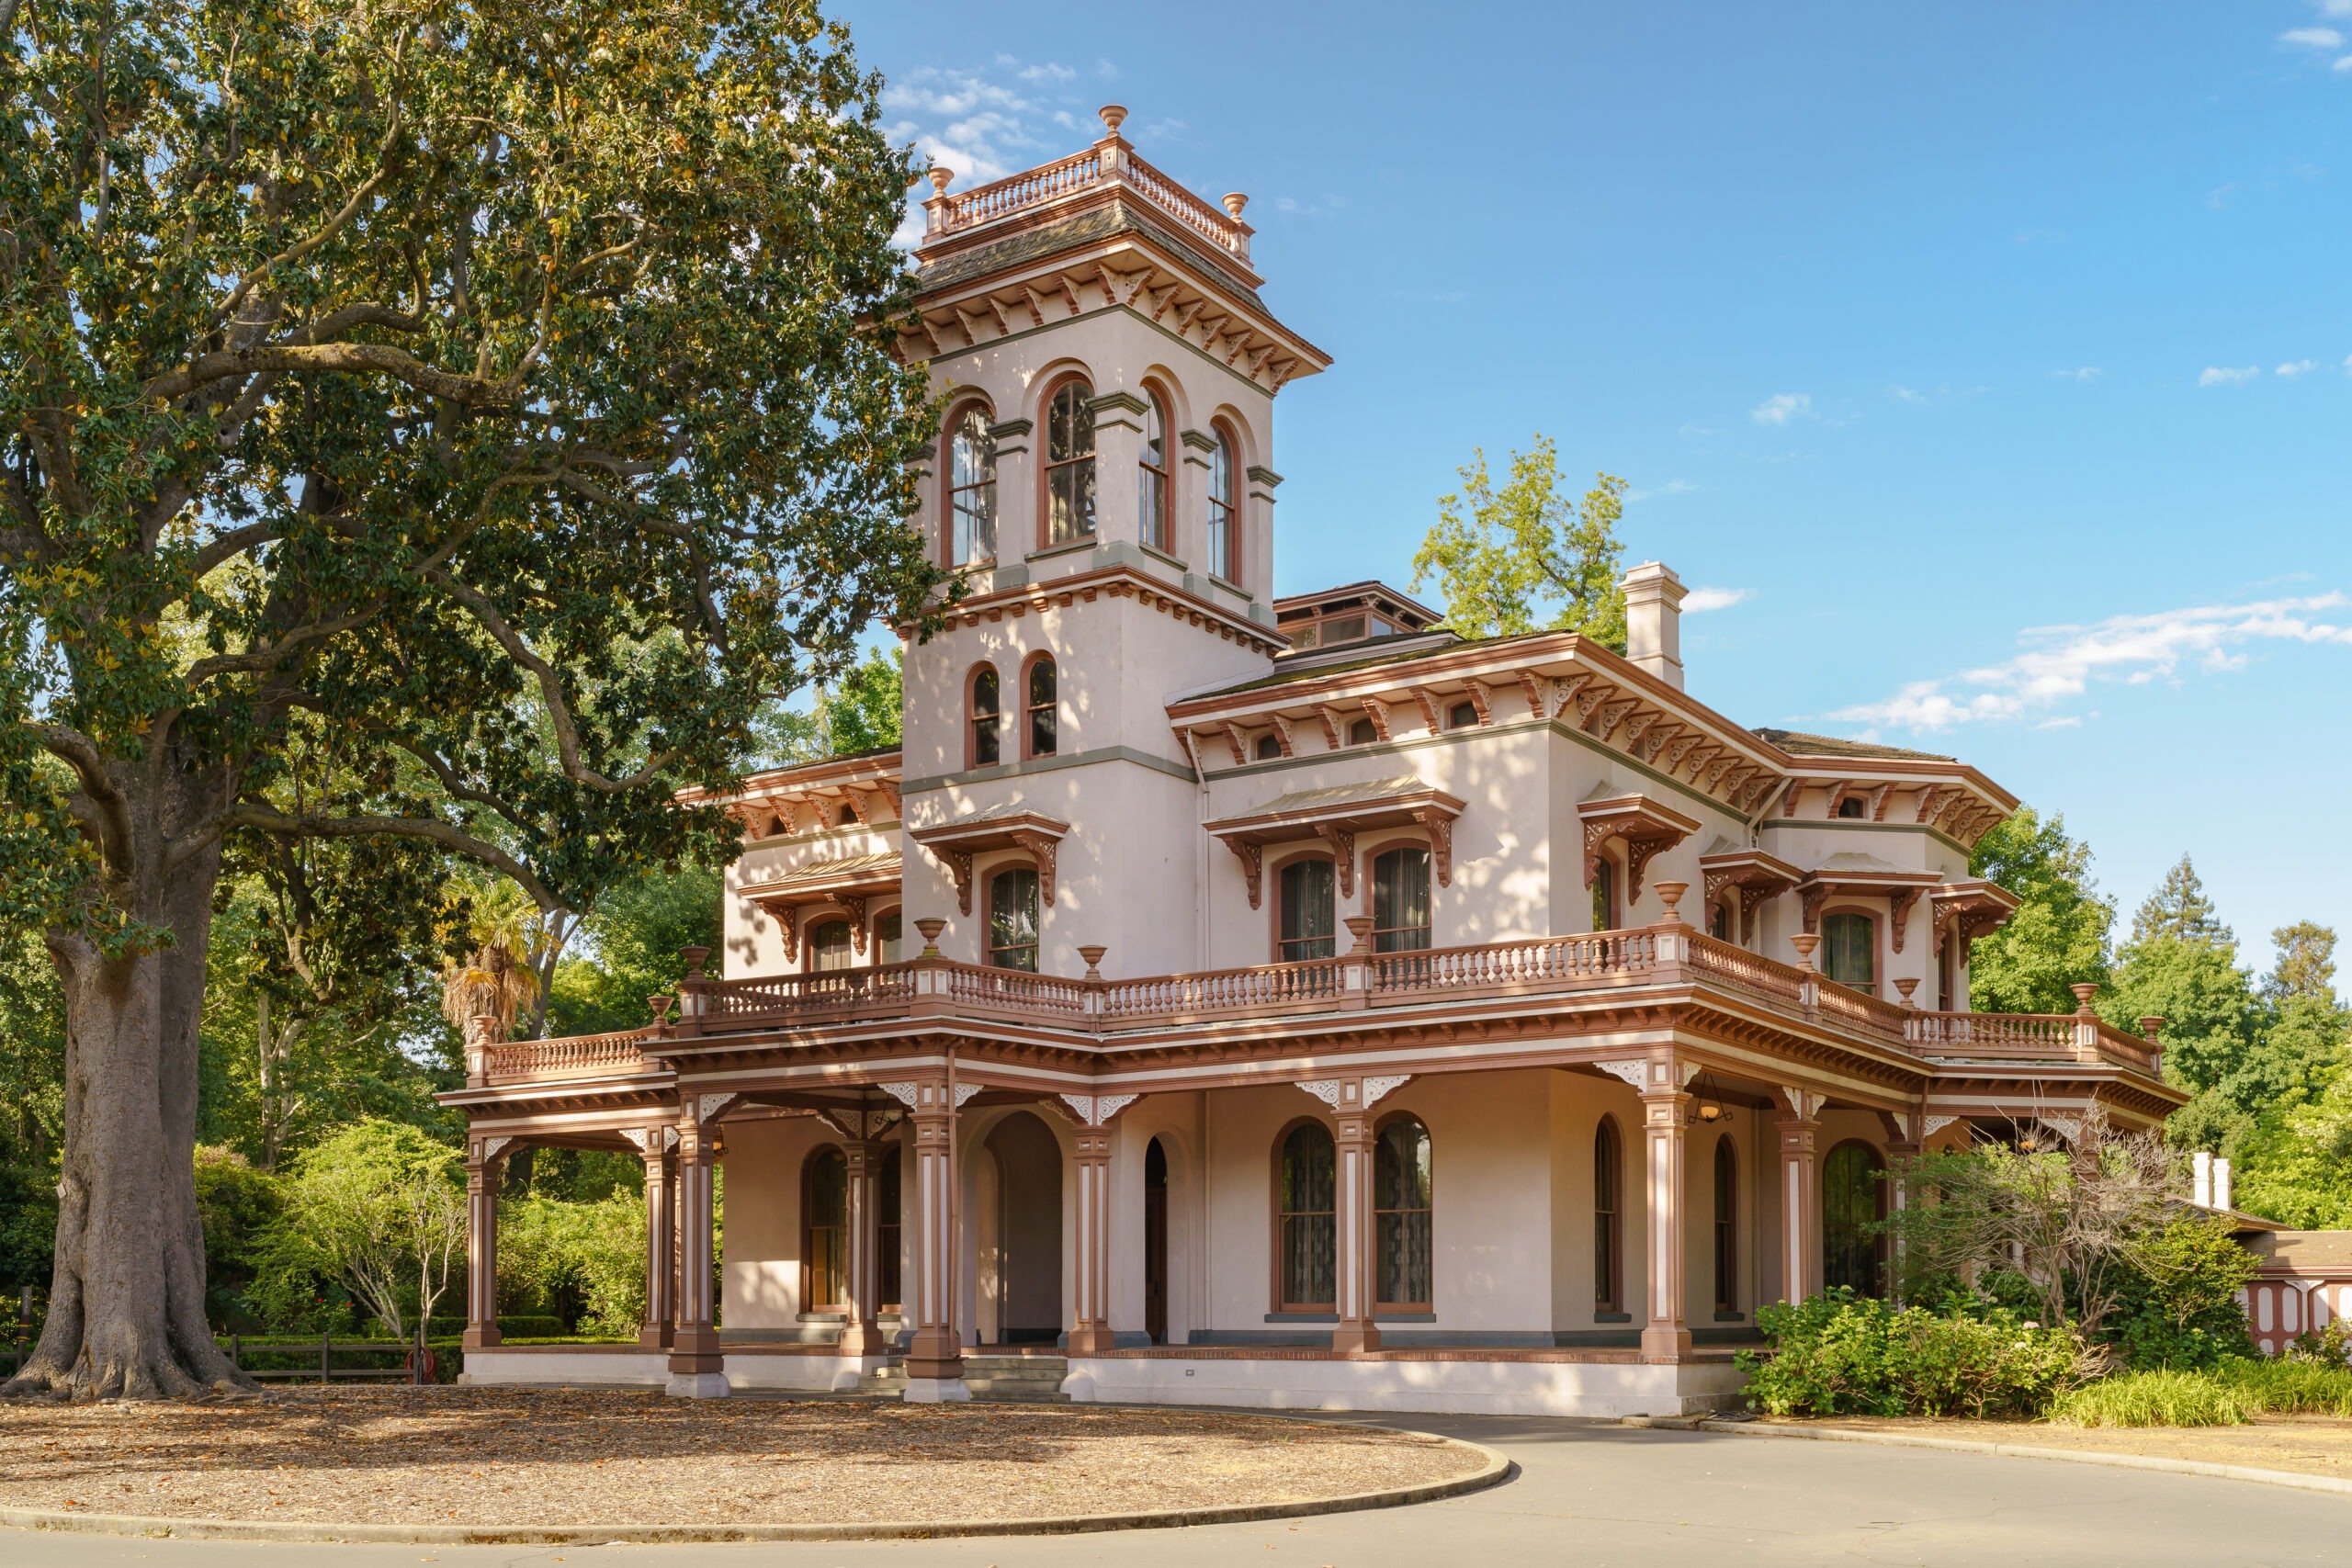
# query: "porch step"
(1034, 1380)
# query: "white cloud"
(2296, 368)
(1699, 601)
(2219, 376)
(988, 123)
(2079, 373)
(2131, 650)
(2343, 65)
(2313, 38)
(1903, 394)
(1782, 407)
(1671, 487)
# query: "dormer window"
(1153, 486)
(1269, 748)
(1224, 545)
(971, 488)
(1069, 464)
(1850, 807)
(1362, 733)
(1464, 716)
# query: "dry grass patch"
(562, 1457)
(2311, 1445)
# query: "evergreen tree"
(2306, 965)
(2179, 910)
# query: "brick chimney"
(1653, 621)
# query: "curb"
(2292, 1478)
(1495, 1469)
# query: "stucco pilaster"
(1666, 1336)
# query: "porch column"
(1798, 1124)
(1665, 1111)
(1902, 1148)
(936, 1356)
(861, 1336)
(661, 1234)
(698, 1370)
(1091, 1259)
(484, 1161)
(1356, 1250)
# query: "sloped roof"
(1797, 744)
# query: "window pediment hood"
(1647, 828)
(955, 844)
(1336, 815)
(816, 881)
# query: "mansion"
(1230, 997)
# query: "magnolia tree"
(451, 424)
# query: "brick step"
(1032, 1378)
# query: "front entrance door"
(1155, 1242)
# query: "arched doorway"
(1853, 1202)
(1155, 1242)
(1027, 1257)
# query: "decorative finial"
(1908, 984)
(1804, 943)
(931, 926)
(693, 957)
(1234, 202)
(1359, 928)
(1672, 892)
(2083, 991)
(941, 177)
(2151, 1026)
(1093, 956)
(1114, 116)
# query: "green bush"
(2289, 1387)
(589, 1257)
(2165, 1397)
(2177, 1298)
(1839, 1354)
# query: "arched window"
(1012, 919)
(1269, 748)
(1608, 1219)
(825, 1230)
(1153, 488)
(1727, 1225)
(1307, 1247)
(1605, 896)
(1850, 1198)
(829, 946)
(1850, 807)
(889, 938)
(971, 488)
(887, 1198)
(1069, 464)
(1223, 527)
(1944, 992)
(1362, 733)
(1719, 921)
(1401, 1215)
(1400, 899)
(987, 706)
(1850, 950)
(1042, 709)
(1308, 928)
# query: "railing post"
(694, 991)
(1809, 988)
(1355, 975)
(2085, 1020)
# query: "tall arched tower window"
(971, 488)
(1153, 488)
(1224, 525)
(1041, 710)
(985, 707)
(1069, 464)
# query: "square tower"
(1104, 482)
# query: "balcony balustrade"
(1665, 956)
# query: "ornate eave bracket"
(1647, 828)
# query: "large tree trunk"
(126, 1314)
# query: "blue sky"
(1991, 363)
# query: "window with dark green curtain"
(1727, 1225)
(1308, 928)
(1850, 1196)
(1850, 950)
(1400, 900)
(1012, 919)
(1308, 1242)
(1604, 897)
(1401, 1215)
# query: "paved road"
(1588, 1495)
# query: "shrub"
(1839, 1354)
(2177, 1298)
(2290, 1386)
(592, 1254)
(2162, 1398)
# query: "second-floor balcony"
(1098, 1012)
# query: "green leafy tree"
(2060, 932)
(634, 937)
(2306, 968)
(2181, 963)
(1525, 558)
(498, 400)
(381, 1207)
